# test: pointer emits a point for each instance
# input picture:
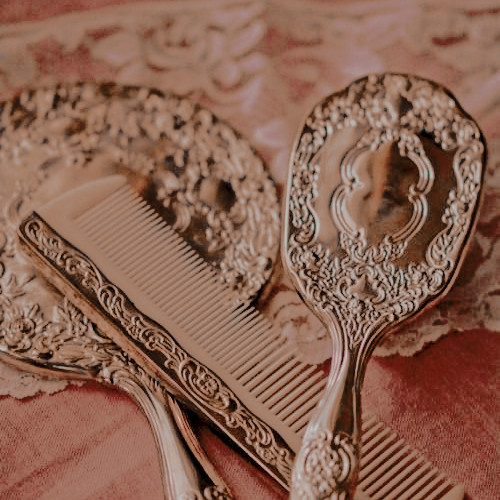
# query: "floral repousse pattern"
(395, 292)
(204, 179)
(326, 451)
(206, 390)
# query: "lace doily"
(261, 65)
(21, 385)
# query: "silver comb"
(160, 302)
(146, 288)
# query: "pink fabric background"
(93, 442)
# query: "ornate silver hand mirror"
(201, 176)
(382, 197)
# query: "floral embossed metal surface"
(201, 176)
(382, 198)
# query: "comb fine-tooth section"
(183, 293)
(238, 339)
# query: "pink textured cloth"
(93, 442)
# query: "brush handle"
(328, 462)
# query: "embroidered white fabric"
(261, 65)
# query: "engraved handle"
(328, 461)
(179, 475)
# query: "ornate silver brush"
(382, 198)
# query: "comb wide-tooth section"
(391, 470)
(166, 280)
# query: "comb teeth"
(235, 338)
(144, 257)
(391, 470)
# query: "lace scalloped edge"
(21, 385)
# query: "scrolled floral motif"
(430, 111)
(324, 466)
(206, 387)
